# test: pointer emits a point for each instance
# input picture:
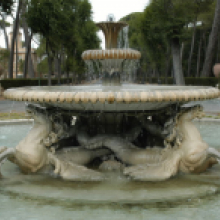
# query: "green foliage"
(193, 81)
(167, 17)
(7, 24)
(66, 27)
(21, 65)
(135, 36)
(190, 81)
(163, 20)
(87, 38)
(13, 83)
(53, 19)
(133, 21)
(207, 14)
(4, 57)
(6, 6)
(202, 81)
(42, 67)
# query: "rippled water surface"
(15, 206)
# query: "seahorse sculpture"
(32, 155)
(184, 151)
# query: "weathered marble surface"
(69, 150)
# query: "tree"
(3, 26)
(42, 67)
(15, 31)
(169, 19)
(6, 6)
(207, 67)
(66, 26)
(28, 65)
(85, 38)
(200, 6)
(4, 57)
(54, 20)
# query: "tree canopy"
(66, 26)
(165, 28)
(6, 6)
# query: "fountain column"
(112, 61)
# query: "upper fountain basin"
(127, 54)
(128, 97)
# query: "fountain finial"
(111, 18)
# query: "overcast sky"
(120, 8)
(102, 8)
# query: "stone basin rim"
(98, 94)
(113, 53)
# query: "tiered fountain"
(139, 131)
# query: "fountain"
(135, 131)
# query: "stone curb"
(28, 121)
(208, 120)
(16, 121)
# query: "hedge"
(11, 83)
(190, 81)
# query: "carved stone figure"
(118, 150)
(188, 152)
(32, 155)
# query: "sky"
(102, 8)
(120, 8)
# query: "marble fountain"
(102, 133)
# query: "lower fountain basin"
(117, 189)
(42, 198)
(128, 97)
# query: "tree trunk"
(16, 55)
(59, 69)
(157, 75)
(192, 48)
(207, 67)
(177, 65)
(218, 46)
(199, 56)
(150, 75)
(28, 59)
(50, 63)
(4, 30)
(15, 28)
(167, 64)
(182, 51)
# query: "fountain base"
(183, 189)
(143, 146)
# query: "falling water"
(123, 40)
(126, 40)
